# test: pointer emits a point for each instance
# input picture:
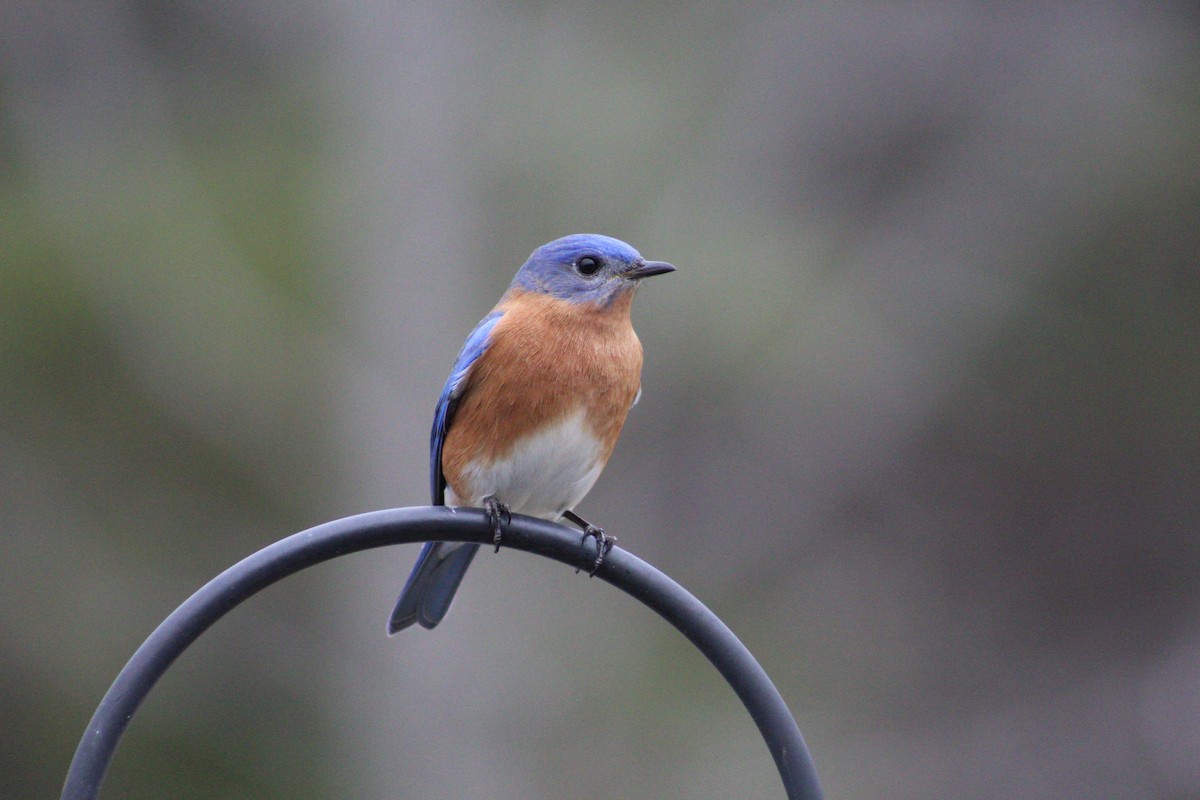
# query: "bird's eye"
(587, 266)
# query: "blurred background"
(921, 417)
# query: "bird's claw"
(495, 509)
(604, 543)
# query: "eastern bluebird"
(534, 404)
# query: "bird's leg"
(495, 509)
(604, 542)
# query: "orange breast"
(546, 359)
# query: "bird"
(533, 405)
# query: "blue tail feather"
(431, 586)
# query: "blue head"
(586, 268)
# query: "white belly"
(544, 475)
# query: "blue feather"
(431, 586)
(475, 346)
(441, 565)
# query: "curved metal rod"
(405, 525)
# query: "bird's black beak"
(648, 268)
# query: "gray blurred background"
(921, 417)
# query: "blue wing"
(456, 384)
(441, 566)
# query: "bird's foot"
(495, 509)
(604, 543)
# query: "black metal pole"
(406, 525)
